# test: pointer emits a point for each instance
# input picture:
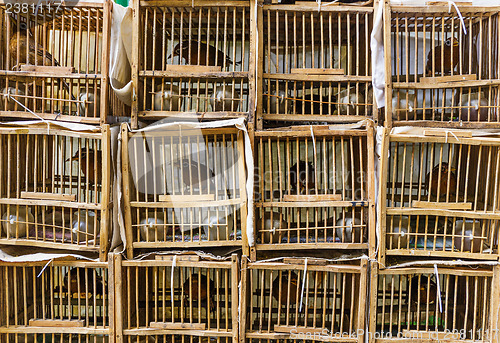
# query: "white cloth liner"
(120, 70)
(26, 255)
(239, 123)
(377, 41)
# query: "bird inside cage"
(196, 176)
(30, 52)
(289, 286)
(403, 105)
(278, 100)
(349, 230)
(302, 178)
(271, 226)
(83, 226)
(10, 97)
(315, 104)
(446, 58)
(90, 100)
(423, 291)
(441, 180)
(225, 98)
(154, 228)
(89, 160)
(83, 282)
(200, 289)
(218, 227)
(397, 232)
(17, 221)
(167, 97)
(469, 236)
(475, 107)
(198, 53)
(352, 101)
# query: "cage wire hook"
(438, 288)
(303, 284)
(450, 3)
(45, 267)
(9, 97)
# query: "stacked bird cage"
(191, 59)
(55, 60)
(55, 187)
(177, 298)
(302, 299)
(184, 187)
(440, 194)
(442, 65)
(437, 303)
(314, 188)
(60, 300)
(314, 63)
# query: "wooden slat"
(446, 3)
(448, 133)
(55, 71)
(187, 197)
(63, 323)
(296, 329)
(443, 205)
(48, 196)
(178, 326)
(450, 78)
(170, 258)
(318, 71)
(311, 198)
(194, 68)
(301, 261)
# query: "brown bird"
(196, 174)
(304, 183)
(439, 179)
(30, 52)
(421, 290)
(89, 158)
(200, 288)
(450, 60)
(206, 56)
(281, 294)
(81, 280)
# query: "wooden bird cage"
(183, 298)
(55, 188)
(58, 300)
(314, 188)
(442, 71)
(63, 72)
(184, 188)
(440, 194)
(284, 300)
(192, 58)
(442, 303)
(314, 63)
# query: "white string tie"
(450, 3)
(303, 284)
(174, 262)
(438, 288)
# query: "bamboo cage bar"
(55, 60)
(314, 63)
(66, 301)
(309, 297)
(314, 188)
(436, 303)
(192, 59)
(440, 195)
(442, 70)
(188, 298)
(184, 188)
(55, 188)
